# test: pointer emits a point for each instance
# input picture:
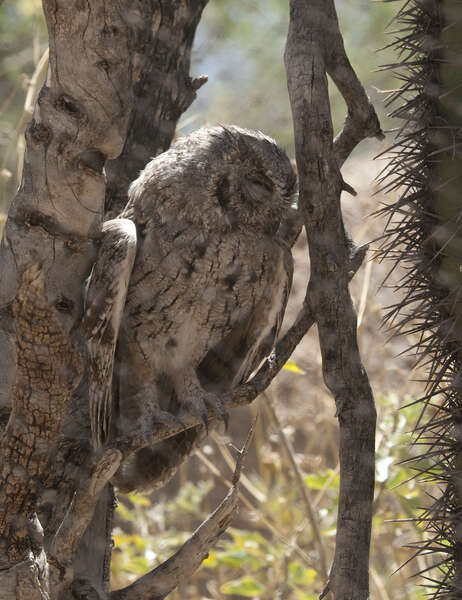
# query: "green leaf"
(140, 542)
(247, 587)
(189, 498)
(125, 513)
(175, 539)
(302, 596)
(125, 540)
(137, 499)
(240, 558)
(248, 538)
(138, 565)
(291, 366)
(319, 481)
(301, 575)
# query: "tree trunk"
(91, 99)
(315, 48)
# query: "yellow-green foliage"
(270, 552)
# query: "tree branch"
(178, 568)
(314, 47)
(162, 93)
(65, 543)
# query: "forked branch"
(179, 567)
(314, 48)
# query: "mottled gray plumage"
(104, 304)
(211, 276)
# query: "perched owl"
(190, 287)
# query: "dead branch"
(179, 567)
(302, 487)
(65, 543)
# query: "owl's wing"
(104, 304)
(232, 361)
(263, 347)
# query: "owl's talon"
(200, 408)
(222, 413)
(204, 402)
(163, 417)
(205, 423)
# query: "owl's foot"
(195, 400)
(167, 419)
(201, 403)
(221, 411)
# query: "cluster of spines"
(423, 236)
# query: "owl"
(190, 286)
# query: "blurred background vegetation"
(292, 473)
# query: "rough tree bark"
(315, 48)
(117, 83)
(94, 91)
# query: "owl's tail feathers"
(104, 305)
(100, 369)
(100, 413)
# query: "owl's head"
(218, 179)
(257, 182)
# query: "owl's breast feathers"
(200, 289)
(211, 278)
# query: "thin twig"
(326, 485)
(178, 568)
(364, 292)
(245, 481)
(302, 487)
(262, 519)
